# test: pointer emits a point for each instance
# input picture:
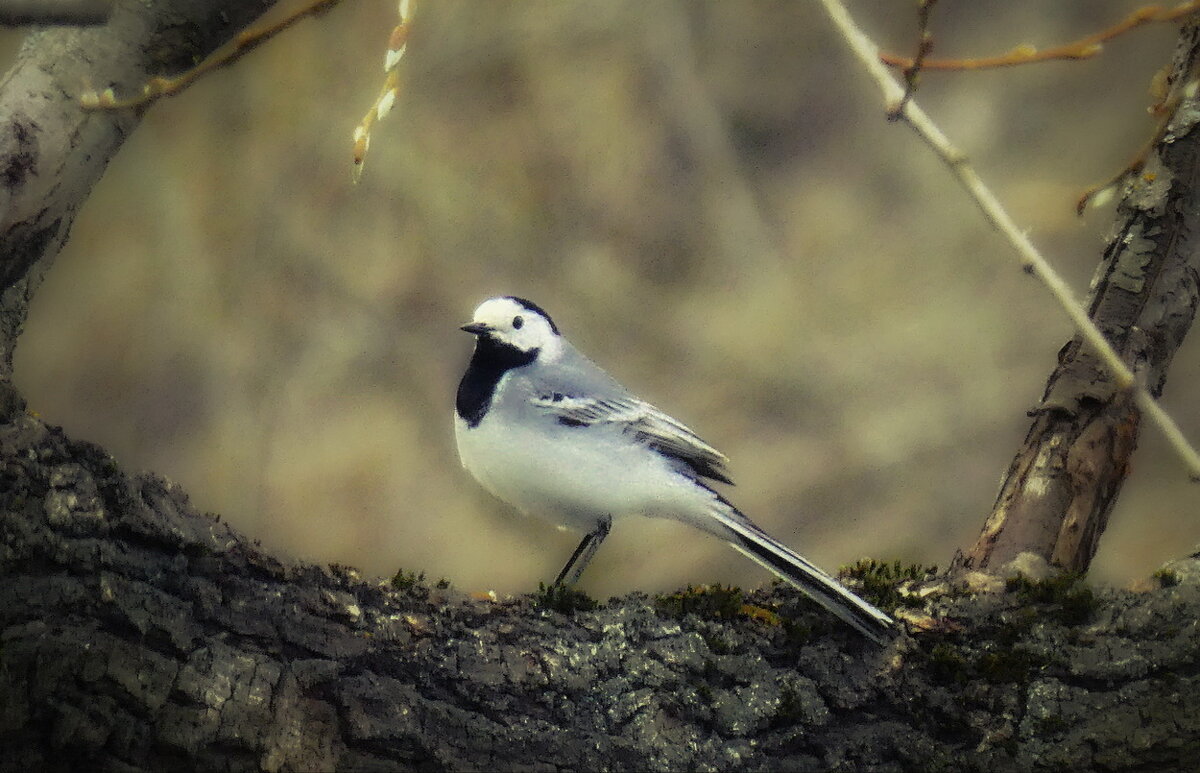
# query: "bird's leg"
(583, 554)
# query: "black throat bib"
(491, 360)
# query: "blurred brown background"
(707, 198)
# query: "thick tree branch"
(73, 12)
(1061, 487)
(137, 634)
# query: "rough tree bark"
(138, 634)
(1055, 499)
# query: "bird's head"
(516, 323)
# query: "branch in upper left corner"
(76, 13)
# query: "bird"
(546, 430)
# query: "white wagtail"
(545, 429)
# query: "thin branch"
(1031, 260)
(924, 48)
(1084, 48)
(244, 43)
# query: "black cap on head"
(536, 309)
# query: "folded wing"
(644, 422)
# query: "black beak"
(475, 328)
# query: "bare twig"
(924, 48)
(248, 40)
(1031, 260)
(1084, 48)
(244, 43)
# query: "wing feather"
(646, 423)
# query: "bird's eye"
(518, 322)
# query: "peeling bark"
(1057, 494)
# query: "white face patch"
(514, 324)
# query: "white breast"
(573, 476)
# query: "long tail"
(758, 546)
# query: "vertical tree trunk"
(1057, 495)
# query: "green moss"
(563, 599)
(946, 665)
(1166, 578)
(721, 602)
(950, 665)
(796, 634)
(404, 581)
(881, 580)
(1002, 659)
(1016, 625)
(791, 709)
(1050, 726)
(1072, 603)
(1007, 665)
(717, 644)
